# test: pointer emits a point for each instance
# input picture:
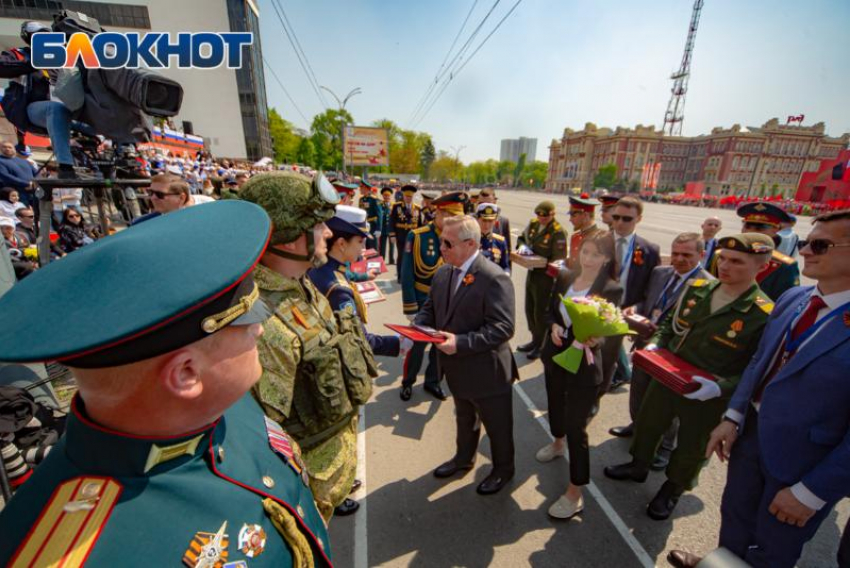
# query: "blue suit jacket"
(804, 418)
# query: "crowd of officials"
(266, 420)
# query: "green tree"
(327, 137)
(520, 166)
(535, 174)
(305, 154)
(504, 170)
(284, 139)
(445, 168)
(606, 176)
(427, 157)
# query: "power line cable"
(465, 63)
(279, 82)
(436, 80)
(301, 49)
(298, 55)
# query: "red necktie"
(807, 320)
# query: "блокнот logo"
(112, 50)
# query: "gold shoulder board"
(70, 524)
(765, 304)
(783, 258)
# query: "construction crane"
(675, 114)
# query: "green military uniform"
(550, 242)
(781, 274)
(722, 343)
(232, 491)
(317, 366)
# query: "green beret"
(145, 291)
(750, 243)
(294, 202)
(545, 207)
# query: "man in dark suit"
(472, 303)
(666, 284)
(785, 431)
(636, 258)
(710, 227)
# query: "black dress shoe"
(662, 505)
(347, 507)
(683, 559)
(355, 486)
(493, 483)
(622, 431)
(406, 393)
(450, 468)
(533, 354)
(617, 384)
(526, 347)
(627, 472)
(436, 392)
(660, 461)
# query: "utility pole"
(675, 114)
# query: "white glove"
(652, 347)
(524, 250)
(377, 234)
(410, 317)
(405, 345)
(708, 389)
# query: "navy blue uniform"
(494, 247)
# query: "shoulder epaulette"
(421, 230)
(70, 524)
(697, 282)
(556, 226)
(765, 304)
(497, 237)
(783, 258)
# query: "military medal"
(692, 303)
(736, 328)
(252, 540)
(207, 550)
(686, 311)
(286, 447)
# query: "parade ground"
(410, 518)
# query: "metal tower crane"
(675, 114)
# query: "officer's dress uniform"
(331, 280)
(550, 242)
(108, 499)
(317, 370)
(722, 343)
(495, 248)
(403, 219)
(422, 259)
(374, 215)
(426, 215)
(385, 232)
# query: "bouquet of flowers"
(591, 317)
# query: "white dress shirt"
(624, 270)
(463, 268)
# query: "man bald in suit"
(666, 284)
(472, 304)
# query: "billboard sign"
(366, 146)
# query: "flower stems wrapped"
(590, 317)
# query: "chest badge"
(252, 540)
(734, 329)
(207, 550)
(286, 447)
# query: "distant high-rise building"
(513, 148)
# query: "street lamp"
(341, 103)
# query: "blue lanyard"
(792, 346)
(681, 283)
(628, 260)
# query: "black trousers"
(413, 362)
(570, 403)
(496, 413)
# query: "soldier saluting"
(544, 237)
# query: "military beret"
(487, 211)
(583, 203)
(410, 189)
(294, 202)
(349, 221)
(145, 291)
(750, 243)
(544, 208)
(763, 213)
(451, 202)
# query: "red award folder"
(369, 263)
(670, 370)
(370, 292)
(422, 334)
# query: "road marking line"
(641, 554)
(361, 537)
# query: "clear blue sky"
(561, 63)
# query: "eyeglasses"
(448, 244)
(161, 194)
(623, 218)
(543, 214)
(819, 246)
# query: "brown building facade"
(757, 161)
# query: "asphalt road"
(410, 518)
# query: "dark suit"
(481, 314)
(571, 396)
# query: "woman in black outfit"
(571, 396)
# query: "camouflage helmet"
(294, 202)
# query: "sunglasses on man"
(161, 194)
(448, 244)
(623, 218)
(819, 246)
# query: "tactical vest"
(335, 372)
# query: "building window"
(106, 13)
